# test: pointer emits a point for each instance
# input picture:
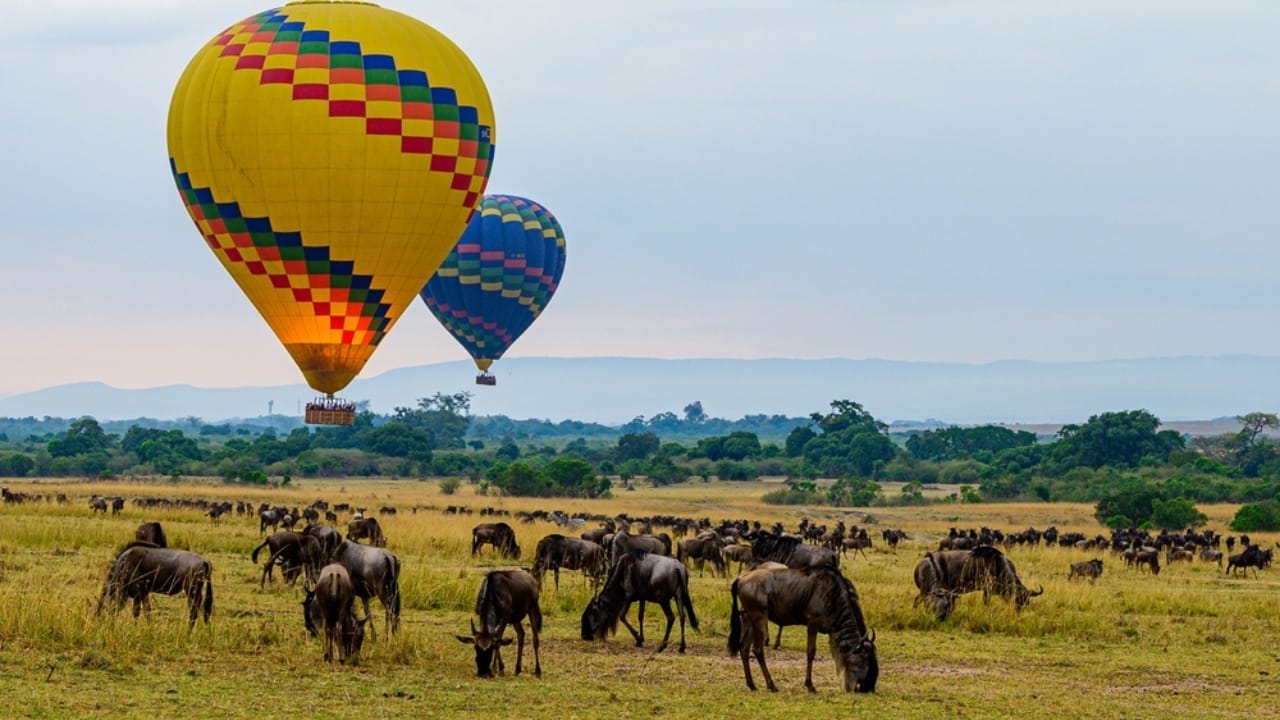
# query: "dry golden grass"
(1191, 642)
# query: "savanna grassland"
(1188, 643)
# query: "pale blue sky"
(945, 181)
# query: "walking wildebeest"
(791, 551)
(505, 596)
(375, 572)
(822, 600)
(367, 529)
(151, 532)
(141, 569)
(294, 551)
(1251, 557)
(943, 575)
(334, 601)
(1090, 569)
(499, 535)
(98, 504)
(556, 551)
(705, 546)
(643, 577)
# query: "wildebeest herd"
(787, 577)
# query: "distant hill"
(616, 390)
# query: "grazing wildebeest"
(822, 600)
(643, 577)
(556, 551)
(366, 528)
(740, 554)
(295, 552)
(705, 546)
(328, 538)
(98, 504)
(141, 569)
(333, 600)
(375, 572)
(152, 533)
(1148, 556)
(791, 551)
(943, 575)
(505, 596)
(499, 535)
(1089, 569)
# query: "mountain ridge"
(614, 390)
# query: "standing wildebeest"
(1091, 569)
(98, 504)
(943, 575)
(822, 600)
(893, 537)
(1148, 556)
(740, 554)
(791, 551)
(333, 600)
(141, 569)
(294, 551)
(375, 572)
(152, 533)
(556, 551)
(1252, 557)
(499, 535)
(643, 577)
(328, 538)
(706, 546)
(624, 542)
(506, 596)
(368, 529)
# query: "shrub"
(1262, 516)
(449, 485)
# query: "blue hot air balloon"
(498, 278)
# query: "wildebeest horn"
(473, 627)
(1038, 592)
(871, 635)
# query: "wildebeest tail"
(735, 620)
(208, 592)
(256, 550)
(687, 602)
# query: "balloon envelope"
(499, 277)
(330, 154)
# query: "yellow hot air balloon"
(330, 154)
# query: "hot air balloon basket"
(486, 379)
(329, 411)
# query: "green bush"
(1254, 517)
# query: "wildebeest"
(151, 533)
(366, 529)
(623, 542)
(333, 600)
(740, 554)
(791, 551)
(375, 572)
(270, 518)
(98, 504)
(705, 546)
(499, 535)
(1251, 557)
(328, 538)
(1089, 569)
(1149, 557)
(295, 552)
(893, 537)
(556, 551)
(943, 575)
(505, 596)
(141, 569)
(822, 600)
(643, 577)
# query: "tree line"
(1136, 473)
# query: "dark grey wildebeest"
(152, 533)
(499, 535)
(943, 575)
(822, 600)
(791, 551)
(295, 552)
(505, 597)
(332, 602)
(141, 569)
(556, 551)
(643, 577)
(366, 528)
(1088, 569)
(375, 572)
(705, 546)
(622, 542)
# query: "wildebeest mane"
(848, 627)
